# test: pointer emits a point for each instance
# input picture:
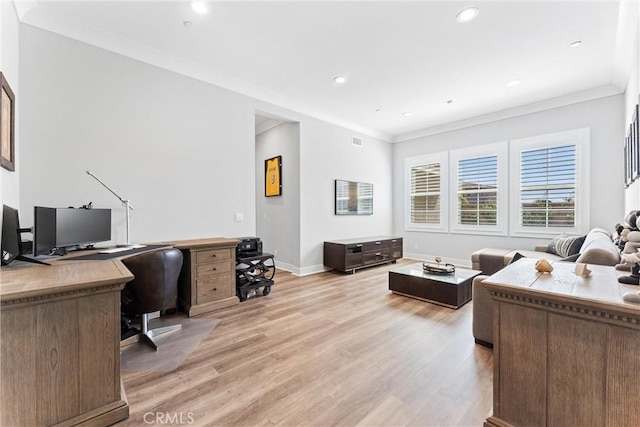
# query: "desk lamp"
(125, 203)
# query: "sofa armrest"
(482, 313)
(599, 256)
(540, 248)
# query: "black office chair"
(154, 288)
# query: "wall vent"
(357, 141)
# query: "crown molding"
(548, 104)
(30, 14)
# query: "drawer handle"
(213, 256)
(393, 241)
(378, 254)
(214, 269)
(359, 246)
(377, 243)
(215, 289)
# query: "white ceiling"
(397, 55)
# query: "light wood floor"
(324, 350)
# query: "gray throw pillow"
(565, 245)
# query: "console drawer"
(376, 246)
(213, 255)
(378, 256)
(214, 288)
(213, 268)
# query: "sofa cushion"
(565, 245)
(530, 254)
(598, 248)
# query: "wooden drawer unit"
(214, 288)
(207, 280)
(351, 254)
(209, 268)
(213, 255)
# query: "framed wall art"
(7, 126)
(273, 176)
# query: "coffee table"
(451, 290)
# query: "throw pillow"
(516, 257)
(565, 245)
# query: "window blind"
(426, 193)
(548, 186)
(478, 191)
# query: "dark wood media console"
(351, 254)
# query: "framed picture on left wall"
(7, 126)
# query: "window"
(552, 191)
(426, 181)
(548, 187)
(529, 187)
(481, 190)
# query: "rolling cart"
(254, 272)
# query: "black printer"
(248, 246)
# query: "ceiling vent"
(357, 141)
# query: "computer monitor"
(60, 228)
(11, 237)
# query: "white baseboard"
(304, 271)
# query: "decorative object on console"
(7, 126)
(632, 259)
(125, 203)
(582, 270)
(353, 198)
(438, 268)
(273, 176)
(543, 266)
(633, 297)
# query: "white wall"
(632, 194)
(178, 148)
(330, 156)
(9, 59)
(278, 217)
(603, 116)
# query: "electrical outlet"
(415, 246)
(239, 217)
(275, 252)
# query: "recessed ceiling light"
(187, 23)
(199, 6)
(468, 14)
(378, 110)
(340, 79)
(513, 83)
(450, 101)
(407, 113)
(575, 43)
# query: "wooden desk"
(60, 337)
(566, 348)
(207, 280)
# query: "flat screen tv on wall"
(353, 198)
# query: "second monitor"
(61, 228)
